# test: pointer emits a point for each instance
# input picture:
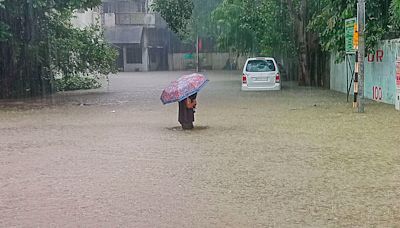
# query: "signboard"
(188, 56)
(355, 37)
(349, 35)
(398, 73)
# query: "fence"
(380, 73)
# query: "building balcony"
(144, 19)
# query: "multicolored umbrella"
(183, 87)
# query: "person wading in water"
(186, 112)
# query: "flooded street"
(115, 157)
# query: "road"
(116, 157)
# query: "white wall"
(86, 18)
(178, 62)
(214, 61)
(109, 19)
(380, 73)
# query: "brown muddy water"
(116, 157)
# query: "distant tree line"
(38, 41)
(306, 30)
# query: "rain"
(295, 122)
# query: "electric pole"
(361, 53)
(197, 55)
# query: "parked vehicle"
(260, 74)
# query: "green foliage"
(76, 4)
(395, 13)
(233, 31)
(4, 31)
(201, 23)
(301, 29)
(37, 40)
(253, 27)
(81, 51)
(177, 13)
(382, 22)
(76, 82)
(4, 34)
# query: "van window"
(260, 66)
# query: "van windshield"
(260, 66)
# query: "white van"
(260, 74)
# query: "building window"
(133, 55)
(108, 7)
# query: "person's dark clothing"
(186, 115)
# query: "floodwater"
(116, 157)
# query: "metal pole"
(361, 53)
(356, 80)
(347, 77)
(197, 55)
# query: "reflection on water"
(196, 128)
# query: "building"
(83, 18)
(144, 41)
(140, 35)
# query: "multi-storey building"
(86, 18)
(140, 35)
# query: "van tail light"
(277, 78)
(244, 79)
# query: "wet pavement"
(116, 157)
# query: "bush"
(76, 83)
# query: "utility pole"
(361, 53)
(198, 54)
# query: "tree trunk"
(304, 77)
(24, 63)
(300, 23)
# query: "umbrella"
(183, 87)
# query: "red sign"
(398, 73)
(200, 44)
(376, 57)
(377, 93)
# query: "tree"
(78, 51)
(176, 13)
(201, 23)
(37, 40)
(234, 34)
(255, 27)
(382, 22)
(304, 29)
